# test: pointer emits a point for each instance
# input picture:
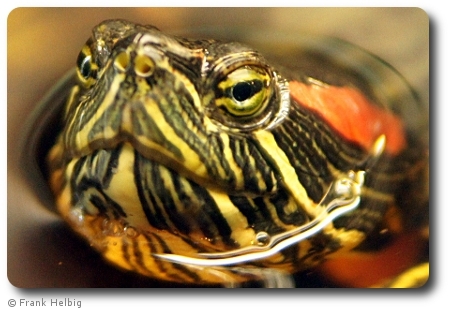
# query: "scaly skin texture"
(197, 161)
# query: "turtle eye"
(244, 92)
(86, 67)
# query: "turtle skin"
(207, 162)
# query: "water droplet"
(343, 188)
(112, 227)
(76, 215)
(131, 232)
(262, 238)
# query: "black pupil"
(243, 90)
(84, 65)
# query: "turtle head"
(193, 105)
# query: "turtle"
(212, 162)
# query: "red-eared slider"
(205, 161)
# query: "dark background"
(43, 44)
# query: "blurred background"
(43, 44)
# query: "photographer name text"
(52, 302)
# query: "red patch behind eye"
(351, 114)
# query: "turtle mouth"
(343, 196)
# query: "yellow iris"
(245, 91)
(86, 67)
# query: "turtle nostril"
(143, 66)
(122, 61)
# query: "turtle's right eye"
(86, 67)
(245, 92)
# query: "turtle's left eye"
(244, 92)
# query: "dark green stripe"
(365, 218)
(258, 216)
(86, 176)
(146, 197)
(178, 104)
(78, 118)
(190, 67)
(164, 190)
(140, 257)
(212, 212)
(145, 125)
(330, 142)
(270, 227)
(243, 152)
(303, 156)
(111, 166)
(154, 244)
(181, 268)
(280, 201)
